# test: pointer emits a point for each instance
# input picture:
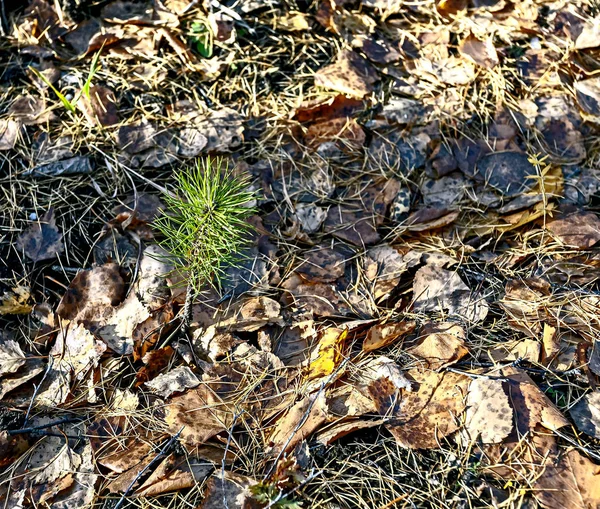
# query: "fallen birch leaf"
(328, 353)
(530, 404)
(382, 335)
(431, 411)
(482, 53)
(42, 241)
(579, 229)
(231, 490)
(301, 421)
(11, 357)
(77, 348)
(175, 473)
(571, 483)
(350, 74)
(176, 380)
(443, 344)
(9, 132)
(586, 414)
(489, 415)
(15, 302)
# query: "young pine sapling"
(205, 225)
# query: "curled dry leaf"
(382, 335)
(443, 344)
(301, 421)
(175, 473)
(42, 241)
(350, 74)
(482, 53)
(176, 380)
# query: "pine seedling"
(205, 225)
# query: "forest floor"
(414, 323)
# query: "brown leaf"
(382, 335)
(489, 414)
(578, 229)
(232, 491)
(42, 241)
(99, 108)
(301, 421)
(322, 264)
(340, 430)
(175, 473)
(530, 404)
(525, 349)
(482, 53)
(201, 414)
(175, 380)
(586, 414)
(443, 344)
(128, 455)
(571, 483)
(351, 75)
(431, 410)
(92, 294)
(437, 289)
(16, 302)
(29, 110)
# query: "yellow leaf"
(328, 354)
(15, 302)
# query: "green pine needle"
(205, 225)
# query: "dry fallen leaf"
(586, 414)
(11, 357)
(175, 380)
(437, 289)
(350, 74)
(328, 353)
(489, 415)
(298, 423)
(482, 53)
(380, 336)
(16, 302)
(431, 411)
(571, 483)
(42, 241)
(578, 229)
(443, 344)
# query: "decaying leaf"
(431, 410)
(16, 302)
(301, 420)
(350, 74)
(489, 415)
(573, 482)
(586, 414)
(42, 241)
(578, 229)
(176, 380)
(437, 289)
(443, 344)
(231, 490)
(380, 336)
(482, 53)
(11, 357)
